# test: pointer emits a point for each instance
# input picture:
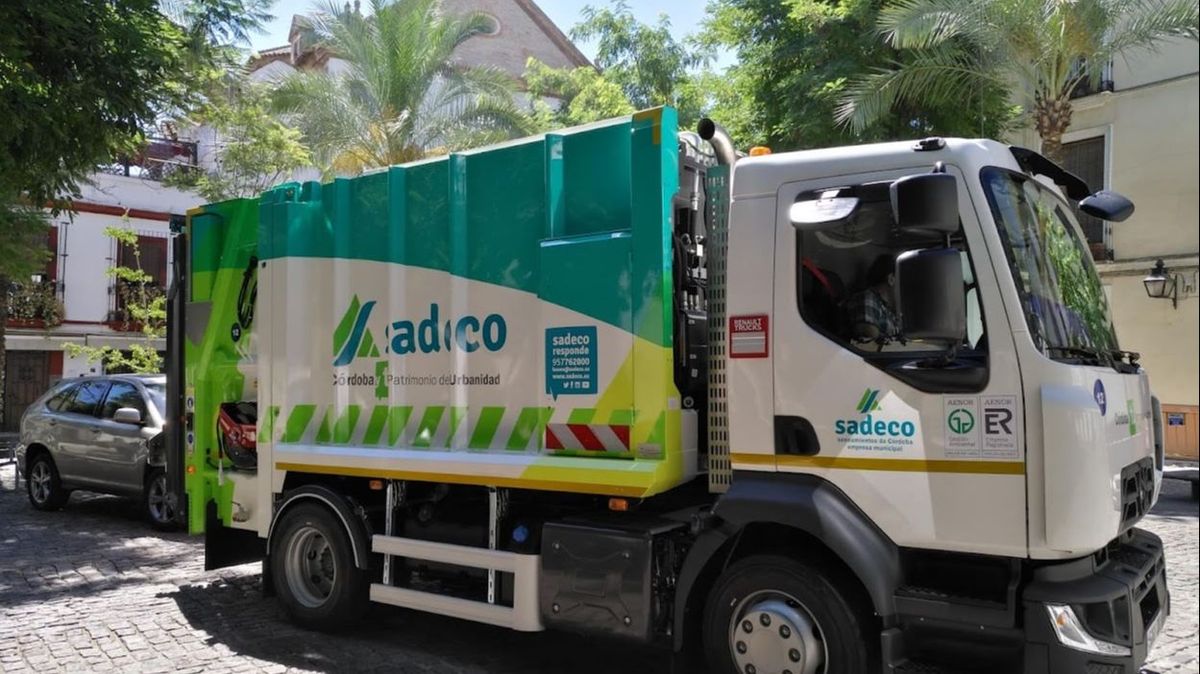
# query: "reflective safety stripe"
(900, 465)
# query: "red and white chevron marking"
(591, 437)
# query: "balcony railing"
(158, 158)
(35, 304)
(1086, 87)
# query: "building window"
(493, 26)
(151, 257)
(1085, 158)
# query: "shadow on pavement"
(1175, 500)
(235, 614)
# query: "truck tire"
(43, 485)
(769, 613)
(312, 563)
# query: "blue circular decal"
(1101, 399)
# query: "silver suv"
(94, 433)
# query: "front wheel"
(774, 615)
(43, 484)
(312, 563)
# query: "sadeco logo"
(352, 339)
(868, 426)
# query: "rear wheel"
(774, 615)
(43, 484)
(155, 504)
(312, 563)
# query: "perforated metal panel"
(720, 474)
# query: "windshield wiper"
(1091, 354)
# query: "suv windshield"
(1062, 296)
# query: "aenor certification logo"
(981, 427)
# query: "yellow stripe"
(453, 478)
(900, 465)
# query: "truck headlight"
(1071, 633)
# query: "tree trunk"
(1052, 117)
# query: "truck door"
(927, 442)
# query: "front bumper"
(1117, 594)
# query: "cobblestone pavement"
(92, 588)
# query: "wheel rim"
(310, 566)
(39, 482)
(156, 500)
(770, 632)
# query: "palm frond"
(938, 75)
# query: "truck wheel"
(773, 614)
(312, 562)
(43, 484)
(155, 506)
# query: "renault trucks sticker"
(748, 336)
(875, 428)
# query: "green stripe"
(485, 428)
(342, 429)
(297, 422)
(581, 415)
(863, 400)
(428, 426)
(621, 418)
(393, 418)
(342, 331)
(457, 414)
(531, 421)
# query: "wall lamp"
(1162, 284)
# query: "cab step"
(933, 604)
(524, 615)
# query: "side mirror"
(1107, 205)
(926, 201)
(821, 213)
(128, 415)
(929, 288)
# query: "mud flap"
(229, 547)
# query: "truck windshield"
(1061, 293)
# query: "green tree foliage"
(586, 95)
(639, 66)
(1040, 49)
(646, 61)
(145, 309)
(402, 97)
(254, 150)
(794, 61)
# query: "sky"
(685, 15)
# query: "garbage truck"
(853, 409)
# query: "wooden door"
(27, 378)
(1181, 439)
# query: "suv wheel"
(43, 485)
(155, 503)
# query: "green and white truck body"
(600, 380)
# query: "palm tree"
(1039, 49)
(402, 96)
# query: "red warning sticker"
(748, 336)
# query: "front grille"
(1137, 491)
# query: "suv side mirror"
(929, 288)
(1107, 205)
(128, 415)
(926, 201)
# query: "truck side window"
(846, 281)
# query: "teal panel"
(596, 179)
(590, 274)
(484, 214)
